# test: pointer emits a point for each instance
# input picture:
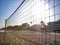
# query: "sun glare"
(38, 10)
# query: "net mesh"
(34, 22)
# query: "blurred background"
(30, 22)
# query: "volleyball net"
(34, 22)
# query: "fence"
(34, 22)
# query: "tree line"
(52, 26)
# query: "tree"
(25, 26)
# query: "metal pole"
(5, 33)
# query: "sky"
(7, 7)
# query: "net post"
(5, 33)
